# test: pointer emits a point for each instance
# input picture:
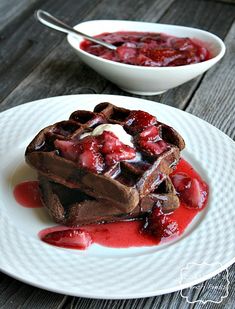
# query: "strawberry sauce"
(148, 49)
(27, 194)
(123, 234)
(155, 229)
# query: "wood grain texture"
(213, 289)
(28, 42)
(62, 69)
(214, 99)
(61, 72)
(208, 15)
(12, 11)
(15, 294)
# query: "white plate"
(102, 272)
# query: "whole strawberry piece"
(153, 148)
(160, 225)
(125, 153)
(91, 160)
(125, 53)
(150, 134)
(181, 182)
(137, 121)
(191, 191)
(72, 238)
(110, 143)
(89, 143)
(163, 57)
(68, 149)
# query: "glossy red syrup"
(148, 49)
(95, 152)
(67, 237)
(27, 194)
(192, 190)
(122, 234)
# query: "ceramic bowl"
(144, 80)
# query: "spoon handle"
(50, 21)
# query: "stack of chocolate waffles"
(87, 179)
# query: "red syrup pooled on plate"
(159, 227)
(27, 194)
(123, 234)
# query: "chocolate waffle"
(122, 184)
(72, 207)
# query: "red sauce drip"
(122, 234)
(148, 49)
(185, 167)
(27, 194)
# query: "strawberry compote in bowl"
(150, 58)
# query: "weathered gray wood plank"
(31, 42)
(15, 294)
(212, 290)
(62, 72)
(77, 76)
(12, 10)
(214, 99)
(208, 15)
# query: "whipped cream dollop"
(116, 129)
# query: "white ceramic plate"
(102, 272)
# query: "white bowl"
(146, 80)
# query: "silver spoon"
(47, 19)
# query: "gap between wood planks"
(14, 68)
(130, 13)
(201, 79)
(11, 15)
(165, 17)
(182, 96)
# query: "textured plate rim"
(117, 296)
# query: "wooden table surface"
(38, 63)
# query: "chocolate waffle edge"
(73, 207)
(123, 184)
